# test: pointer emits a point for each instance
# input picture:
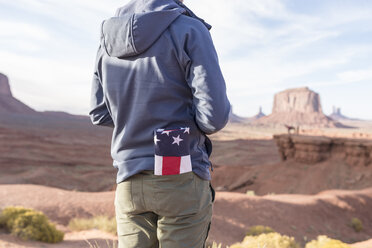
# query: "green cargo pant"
(163, 211)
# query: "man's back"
(157, 69)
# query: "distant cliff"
(338, 116)
(9, 104)
(4, 86)
(297, 107)
(233, 118)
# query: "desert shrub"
(325, 242)
(103, 223)
(8, 216)
(267, 240)
(35, 226)
(29, 224)
(356, 224)
(259, 229)
(214, 245)
(250, 193)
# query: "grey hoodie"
(157, 68)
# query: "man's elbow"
(214, 123)
(101, 120)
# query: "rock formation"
(9, 104)
(338, 116)
(233, 118)
(259, 115)
(297, 107)
(297, 100)
(4, 86)
(315, 149)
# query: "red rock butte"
(4, 86)
(9, 104)
(297, 107)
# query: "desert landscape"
(297, 171)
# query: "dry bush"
(259, 229)
(325, 242)
(8, 216)
(356, 224)
(29, 224)
(267, 240)
(103, 223)
(214, 245)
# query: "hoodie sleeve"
(99, 113)
(206, 81)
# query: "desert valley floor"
(62, 166)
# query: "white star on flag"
(177, 140)
(156, 140)
(187, 130)
(166, 132)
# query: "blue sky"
(47, 48)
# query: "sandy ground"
(364, 244)
(78, 159)
(71, 156)
(301, 216)
(292, 177)
(244, 152)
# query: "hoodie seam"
(192, 15)
(103, 38)
(132, 34)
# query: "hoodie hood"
(139, 24)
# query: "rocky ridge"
(4, 86)
(259, 115)
(11, 107)
(9, 104)
(315, 149)
(234, 118)
(338, 116)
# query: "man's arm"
(204, 76)
(99, 113)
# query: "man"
(158, 84)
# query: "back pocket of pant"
(176, 195)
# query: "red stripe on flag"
(171, 165)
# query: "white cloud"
(50, 69)
(47, 84)
(275, 47)
(12, 29)
(352, 76)
(263, 46)
(22, 36)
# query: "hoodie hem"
(130, 168)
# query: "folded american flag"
(172, 151)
